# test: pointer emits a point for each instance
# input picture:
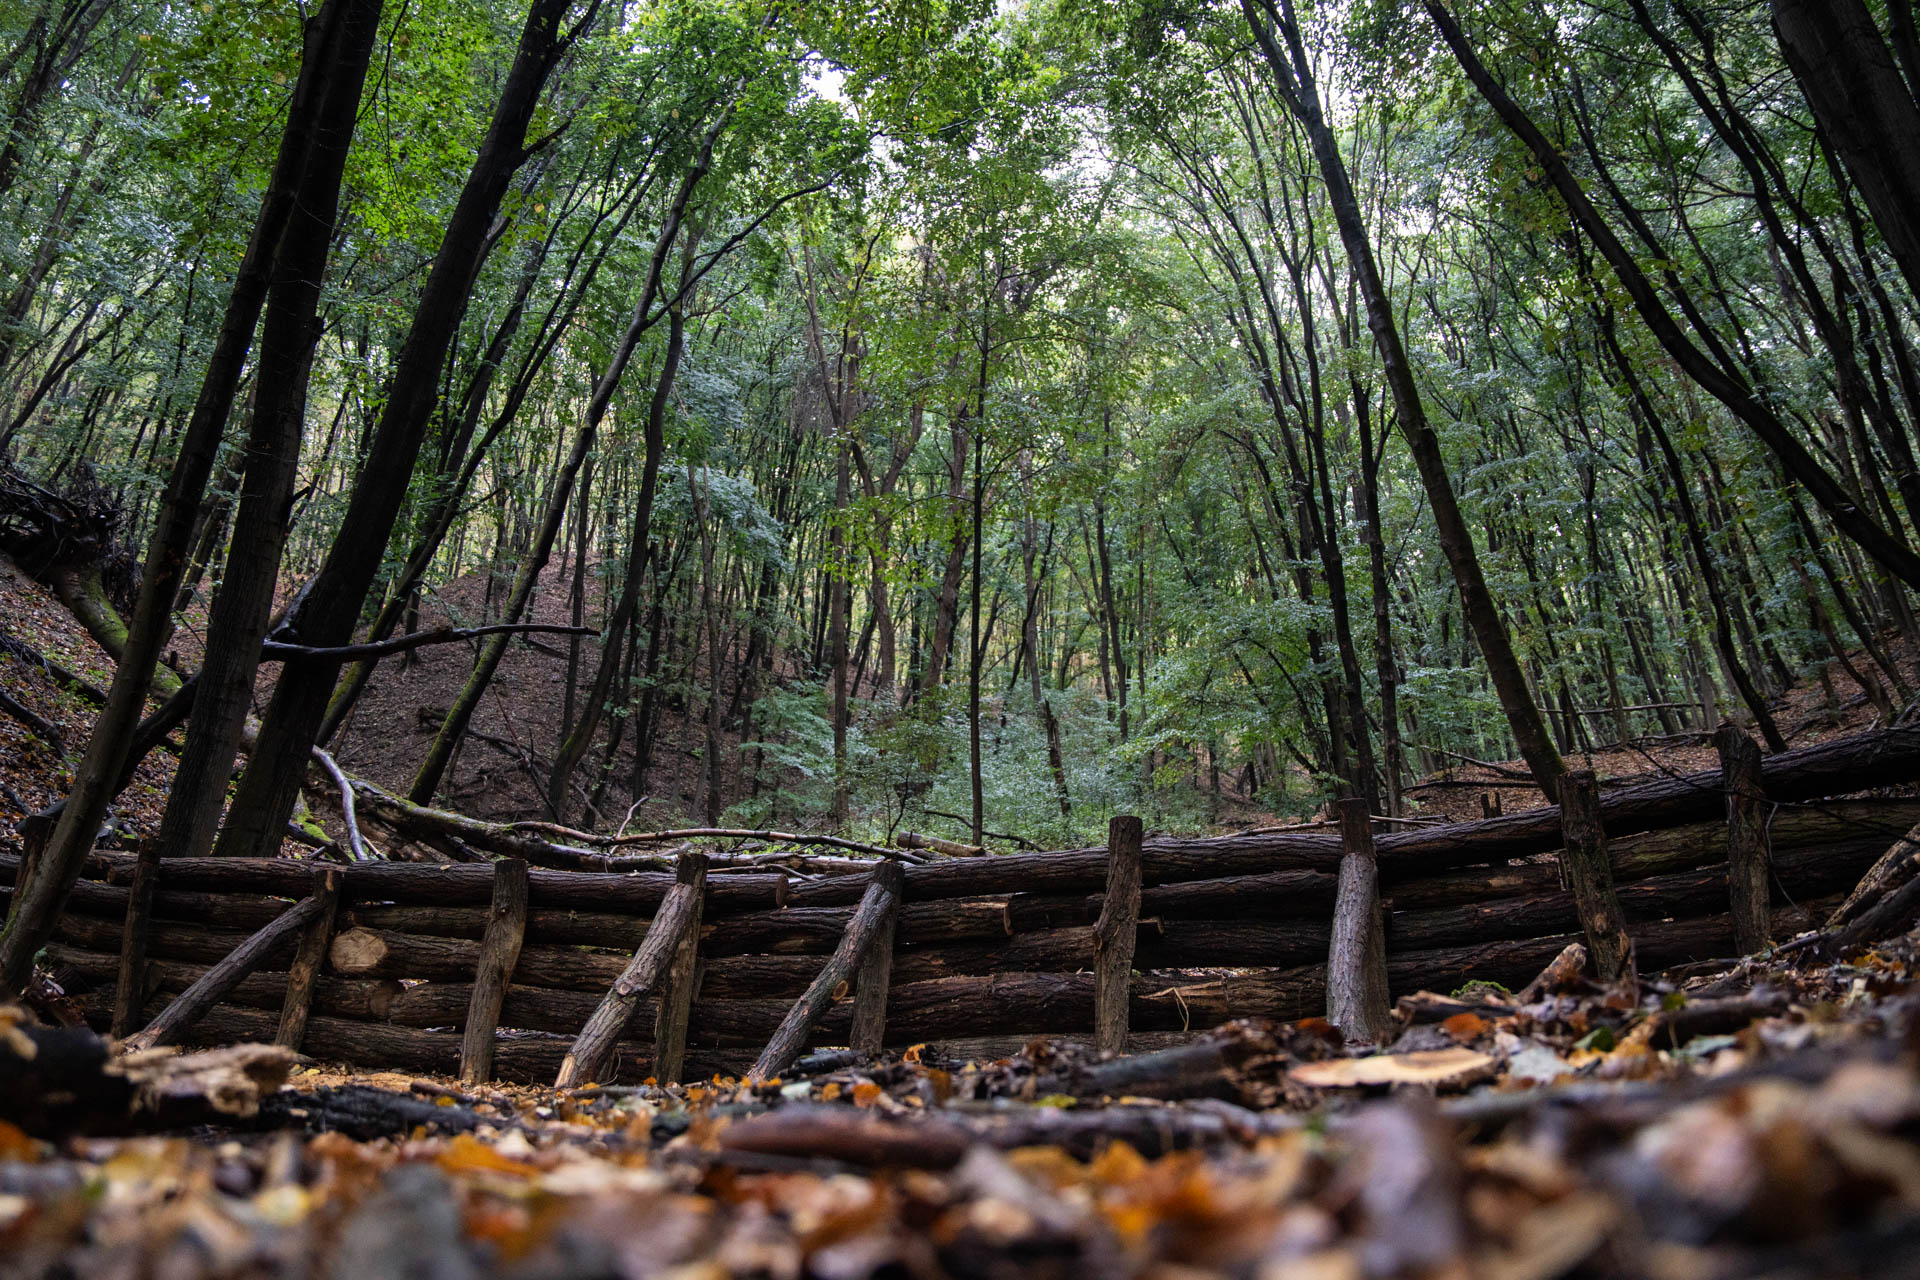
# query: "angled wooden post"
(304, 973)
(1748, 869)
(1589, 873)
(499, 953)
(1114, 934)
(870, 984)
(682, 977)
(676, 922)
(1357, 954)
(885, 887)
(189, 1006)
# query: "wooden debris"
(1435, 1068)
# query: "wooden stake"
(1590, 875)
(130, 992)
(869, 1034)
(885, 888)
(304, 973)
(175, 1020)
(1748, 868)
(682, 979)
(675, 929)
(1114, 935)
(499, 952)
(1357, 956)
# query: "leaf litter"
(1763, 1119)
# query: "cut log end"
(357, 951)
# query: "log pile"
(439, 968)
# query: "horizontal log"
(816, 930)
(1839, 766)
(1857, 824)
(369, 1000)
(1275, 895)
(790, 931)
(552, 926)
(430, 884)
(1797, 874)
(171, 939)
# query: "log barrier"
(405, 965)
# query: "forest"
(803, 440)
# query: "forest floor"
(1758, 1119)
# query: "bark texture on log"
(1357, 955)
(593, 1049)
(675, 1012)
(1590, 875)
(224, 976)
(303, 975)
(133, 944)
(1747, 856)
(1114, 935)
(499, 953)
(877, 906)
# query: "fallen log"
(1240, 1062)
(367, 999)
(519, 1059)
(60, 1082)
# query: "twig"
(41, 729)
(280, 651)
(711, 833)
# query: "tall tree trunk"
(330, 608)
(1865, 109)
(37, 904)
(237, 622)
(1301, 94)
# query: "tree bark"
(1357, 956)
(1590, 873)
(1114, 935)
(592, 1053)
(327, 40)
(499, 953)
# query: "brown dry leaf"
(1436, 1067)
(467, 1154)
(866, 1093)
(1465, 1027)
(16, 1145)
(1553, 1239)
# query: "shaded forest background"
(982, 419)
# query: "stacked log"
(985, 951)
